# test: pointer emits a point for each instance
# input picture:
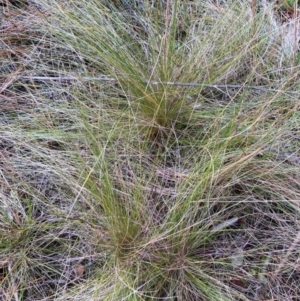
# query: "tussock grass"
(149, 151)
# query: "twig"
(156, 83)
(67, 78)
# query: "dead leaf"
(78, 271)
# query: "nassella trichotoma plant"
(196, 221)
(139, 44)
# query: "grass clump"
(149, 151)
